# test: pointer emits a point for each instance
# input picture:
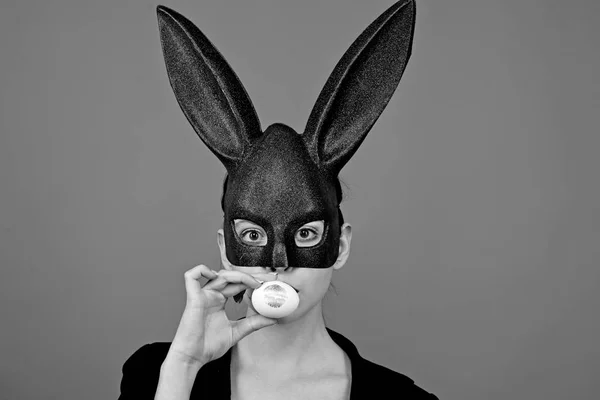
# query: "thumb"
(246, 326)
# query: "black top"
(369, 380)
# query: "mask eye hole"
(250, 233)
(309, 234)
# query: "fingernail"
(258, 283)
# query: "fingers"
(226, 278)
(233, 289)
(246, 326)
(192, 278)
(265, 276)
(226, 283)
(201, 271)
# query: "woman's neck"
(286, 344)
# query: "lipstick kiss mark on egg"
(275, 296)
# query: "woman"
(282, 222)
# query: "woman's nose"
(278, 270)
(279, 259)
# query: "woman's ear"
(221, 241)
(345, 239)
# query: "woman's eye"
(305, 233)
(306, 237)
(253, 236)
(249, 232)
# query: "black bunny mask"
(279, 179)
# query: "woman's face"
(311, 283)
(279, 209)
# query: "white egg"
(275, 299)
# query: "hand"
(205, 333)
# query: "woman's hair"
(338, 194)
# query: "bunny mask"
(279, 179)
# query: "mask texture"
(280, 179)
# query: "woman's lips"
(297, 291)
(250, 291)
(293, 287)
(267, 277)
(262, 278)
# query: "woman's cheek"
(313, 293)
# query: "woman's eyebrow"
(243, 221)
(249, 216)
(309, 217)
(240, 222)
(315, 223)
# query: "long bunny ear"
(208, 91)
(360, 87)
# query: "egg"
(275, 299)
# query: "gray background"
(474, 200)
